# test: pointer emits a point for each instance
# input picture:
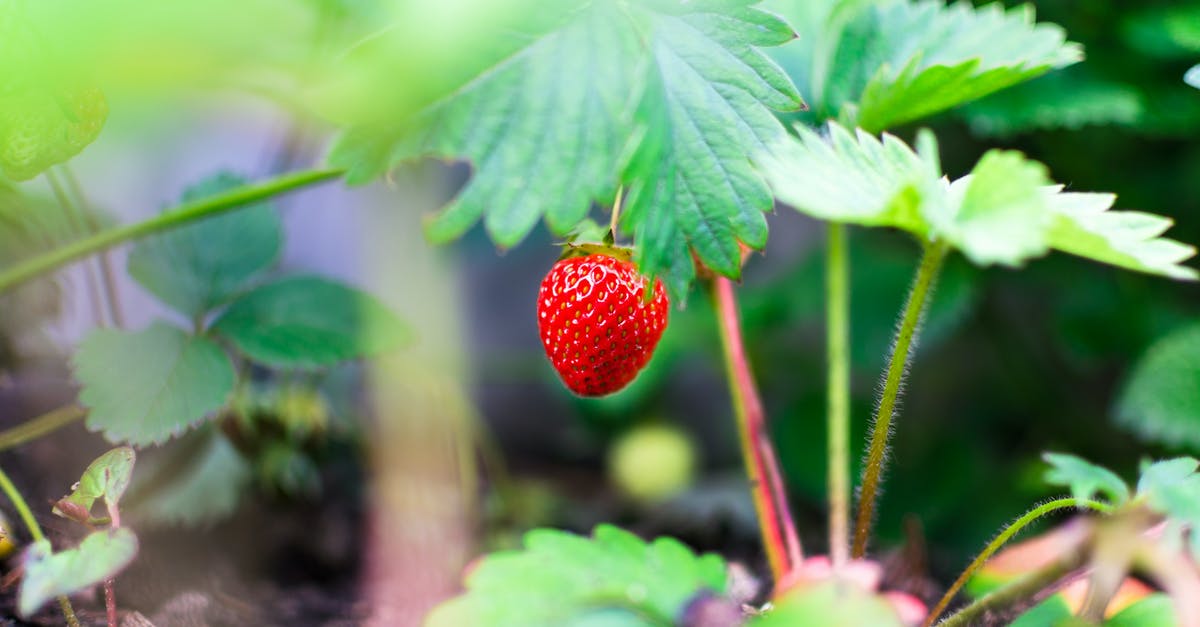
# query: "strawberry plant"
(691, 129)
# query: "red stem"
(110, 592)
(780, 541)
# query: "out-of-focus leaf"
(890, 62)
(143, 387)
(1192, 77)
(1084, 479)
(1048, 613)
(197, 267)
(309, 322)
(1172, 488)
(670, 96)
(1166, 31)
(1159, 402)
(830, 604)
(199, 480)
(1057, 100)
(1004, 211)
(100, 556)
(613, 578)
(105, 478)
(1155, 610)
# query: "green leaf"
(1155, 610)
(1085, 479)
(705, 108)
(1005, 211)
(1059, 100)
(1159, 400)
(558, 578)
(105, 478)
(666, 98)
(309, 322)
(198, 480)
(1172, 488)
(829, 604)
(100, 556)
(894, 61)
(1192, 76)
(199, 266)
(1086, 227)
(143, 387)
(1048, 613)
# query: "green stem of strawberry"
(780, 541)
(35, 532)
(1004, 536)
(837, 317)
(185, 213)
(902, 348)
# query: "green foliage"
(143, 387)
(308, 322)
(613, 578)
(200, 479)
(670, 109)
(885, 63)
(1192, 77)
(198, 267)
(1049, 613)
(1155, 610)
(105, 478)
(1172, 488)
(100, 556)
(1159, 401)
(1085, 480)
(1068, 100)
(830, 604)
(1004, 212)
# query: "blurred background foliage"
(1013, 362)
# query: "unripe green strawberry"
(597, 327)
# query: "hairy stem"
(780, 541)
(181, 215)
(35, 531)
(837, 320)
(906, 337)
(1018, 590)
(35, 428)
(1004, 536)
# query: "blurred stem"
(110, 589)
(182, 214)
(35, 531)
(1013, 528)
(906, 339)
(35, 428)
(106, 262)
(780, 541)
(1018, 590)
(837, 320)
(79, 226)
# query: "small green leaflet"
(143, 387)
(198, 266)
(889, 62)
(664, 97)
(106, 478)
(1004, 212)
(309, 322)
(1085, 479)
(100, 556)
(1171, 487)
(558, 578)
(1192, 76)
(1159, 401)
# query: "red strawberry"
(596, 326)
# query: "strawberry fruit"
(597, 327)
